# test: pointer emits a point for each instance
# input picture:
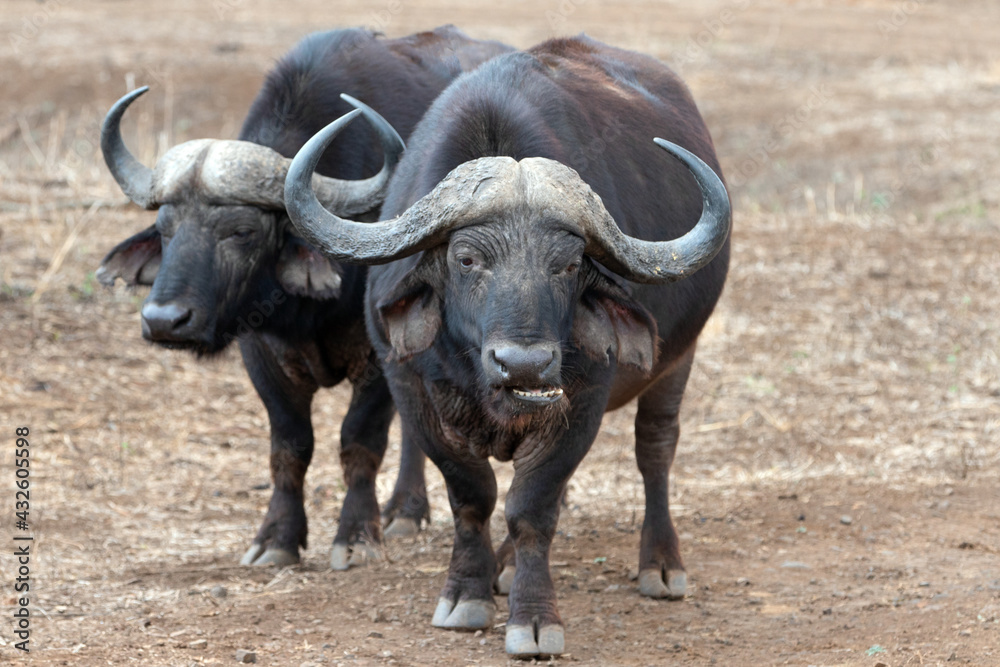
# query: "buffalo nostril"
(530, 364)
(184, 319)
(164, 319)
(498, 365)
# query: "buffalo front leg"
(657, 427)
(288, 401)
(363, 439)
(288, 404)
(466, 600)
(534, 627)
(284, 528)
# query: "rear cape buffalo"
(224, 262)
(543, 260)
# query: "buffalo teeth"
(538, 393)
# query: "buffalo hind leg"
(507, 558)
(407, 508)
(364, 435)
(506, 567)
(661, 571)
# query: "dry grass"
(851, 367)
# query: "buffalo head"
(522, 269)
(222, 254)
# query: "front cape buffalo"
(547, 260)
(224, 262)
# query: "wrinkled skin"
(508, 341)
(221, 273)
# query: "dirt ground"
(836, 487)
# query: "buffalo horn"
(476, 189)
(240, 172)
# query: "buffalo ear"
(135, 260)
(304, 271)
(410, 312)
(607, 320)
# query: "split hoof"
(523, 642)
(257, 556)
(345, 556)
(401, 527)
(651, 584)
(252, 554)
(466, 615)
(506, 580)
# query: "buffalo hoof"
(256, 555)
(466, 615)
(344, 556)
(401, 527)
(506, 580)
(651, 584)
(523, 642)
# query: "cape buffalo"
(539, 269)
(224, 263)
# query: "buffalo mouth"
(197, 346)
(536, 395)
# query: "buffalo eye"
(243, 234)
(466, 262)
(570, 269)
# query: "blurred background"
(835, 487)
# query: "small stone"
(377, 616)
(846, 520)
(924, 584)
(198, 644)
(218, 592)
(742, 581)
(795, 565)
(479, 633)
(246, 657)
(376, 635)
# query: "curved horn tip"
(118, 108)
(304, 163)
(704, 174)
(299, 195)
(392, 138)
(135, 179)
(141, 90)
(678, 151)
